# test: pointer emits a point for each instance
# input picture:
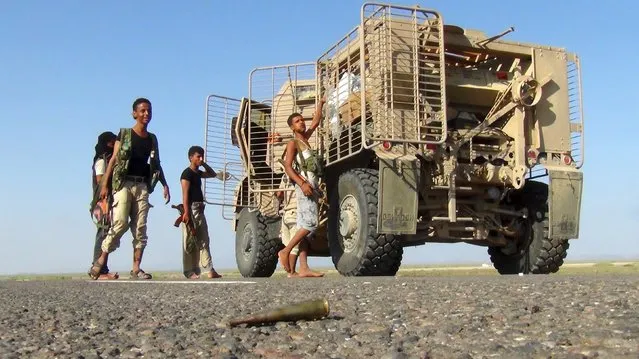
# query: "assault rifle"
(189, 225)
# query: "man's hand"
(222, 176)
(274, 138)
(317, 117)
(307, 189)
(103, 192)
(167, 194)
(185, 217)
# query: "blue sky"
(71, 69)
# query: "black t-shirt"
(195, 184)
(140, 152)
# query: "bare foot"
(213, 274)
(307, 273)
(283, 258)
(194, 276)
(293, 275)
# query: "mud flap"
(564, 204)
(397, 202)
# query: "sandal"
(108, 276)
(140, 275)
(94, 272)
(193, 276)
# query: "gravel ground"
(404, 317)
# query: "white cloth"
(349, 83)
(99, 167)
(310, 176)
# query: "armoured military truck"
(431, 133)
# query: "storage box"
(351, 109)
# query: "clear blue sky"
(71, 69)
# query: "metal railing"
(275, 93)
(221, 153)
(339, 73)
(403, 90)
(575, 108)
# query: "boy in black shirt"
(196, 253)
(132, 180)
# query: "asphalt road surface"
(403, 317)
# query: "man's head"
(104, 146)
(107, 139)
(142, 111)
(296, 122)
(196, 155)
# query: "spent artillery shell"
(308, 310)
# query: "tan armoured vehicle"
(431, 133)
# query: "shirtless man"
(305, 179)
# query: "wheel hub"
(247, 238)
(349, 222)
(519, 245)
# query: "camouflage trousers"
(196, 253)
(131, 202)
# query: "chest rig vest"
(124, 155)
(313, 164)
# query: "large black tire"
(256, 244)
(539, 254)
(367, 253)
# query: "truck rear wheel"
(356, 247)
(255, 246)
(536, 254)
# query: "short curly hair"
(289, 121)
(139, 101)
(196, 149)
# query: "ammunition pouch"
(314, 164)
(155, 167)
(121, 165)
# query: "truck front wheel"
(256, 244)
(356, 247)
